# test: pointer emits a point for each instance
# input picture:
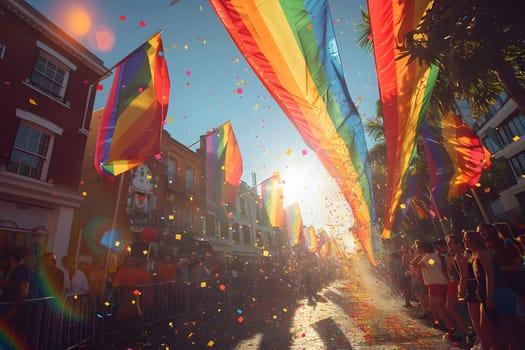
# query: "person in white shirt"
(75, 280)
(436, 282)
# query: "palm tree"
(478, 45)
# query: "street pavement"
(357, 312)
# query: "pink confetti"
(188, 73)
(304, 152)
(100, 87)
(122, 18)
(142, 24)
(239, 90)
(158, 156)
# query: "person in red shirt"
(167, 270)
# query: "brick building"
(47, 91)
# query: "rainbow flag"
(291, 46)
(455, 155)
(294, 224)
(223, 170)
(325, 245)
(405, 89)
(311, 239)
(131, 126)
(272, 200)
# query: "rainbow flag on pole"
(272, 200)
(294, 224)
(291, 46)
(223, 169)
(455, 155)
(131, 126)
(405, 89)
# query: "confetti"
(142, 24)
(33, 102)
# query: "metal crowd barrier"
(48, 323)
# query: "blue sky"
(206, 73)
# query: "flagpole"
(213, 131)
(480, 206)
(132, 52)
(437, 210)
(113, 226)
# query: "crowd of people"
(470, 284)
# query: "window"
(247, 234)
(513, 127)
(188, 183)
(31, 151)
(518, 164)
(50, 75)
(236, 236)
(172, 171)
(492, 143)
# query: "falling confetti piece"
(288, 151)
(158, 156)
(240, 319)
(122, 18)
(304, 152)
(33, 102)
(100, 87)
(239, 90)
(142, 24)
(222, 287)
(210, 343)
(188, 73)
(186, 46)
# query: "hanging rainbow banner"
(291, 47)
(223, 170)
(294, 224)
(272, 200)
(456, 157)
(405, 89)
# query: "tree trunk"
(507, 78)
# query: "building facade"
(502, 131)
(47, 90)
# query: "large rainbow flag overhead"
(455, 155)
(405, 89)
(223, 170)
(294, 224)
(272, 200)
(131, 126)
(291, 47)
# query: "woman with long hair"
(499, 305)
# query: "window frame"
(190, 187)
(52, 56)
(45, 158)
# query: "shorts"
(452, 288)
(437, 290)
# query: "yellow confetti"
(203, 284)
(211, 343)
(84, 194)
(174, 46)
(178, 236)
(204, 42)
(170, 120)
(431, 262)
(186, 46)
(33, 102)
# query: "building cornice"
(43, 25)
(41, 193)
